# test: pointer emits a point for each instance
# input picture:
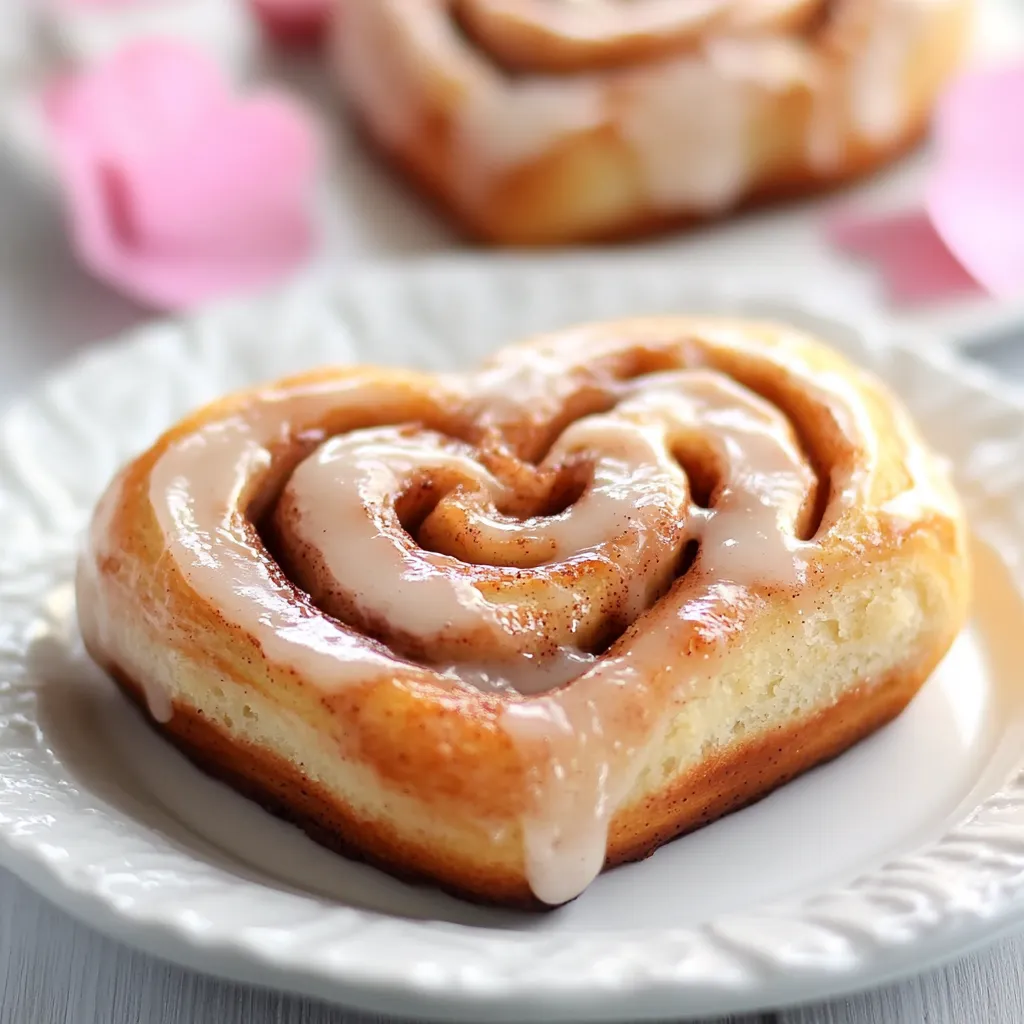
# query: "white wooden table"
(56, 971)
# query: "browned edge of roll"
(500, 221)
(733, 778)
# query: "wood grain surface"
(54, 970)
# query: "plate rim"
(461, 991)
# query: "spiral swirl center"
(526, 601)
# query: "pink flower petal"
(178, 192)
(976, 196)
(980, 114)
(157, 82)
(912, 260)
(227, 208)
(979, 214)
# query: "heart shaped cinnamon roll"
(554, 121)
(503, 629)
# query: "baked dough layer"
(733, 778)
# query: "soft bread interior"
(800, 657)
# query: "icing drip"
(878, 70)
(102, 629)
(370, 61)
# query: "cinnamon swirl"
(555, 121)
(501, 630)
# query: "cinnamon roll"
(504, 629)
(556, 121)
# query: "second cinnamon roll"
(558, 121)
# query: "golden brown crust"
(612, 158)
(734, 778)
(753, 768)
(525, 197)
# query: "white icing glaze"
(102, 629)
(629, 526)
(500, 126)
(583, 768)
(536, 675)
(200, 489)
(877, 87)
(691, 130)
(369, 59)
(158, 698)
(345, 499)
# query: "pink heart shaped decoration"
(178, 191)
(911, 258)
(976, 197)
(969, 236)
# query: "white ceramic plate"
(908, 849)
